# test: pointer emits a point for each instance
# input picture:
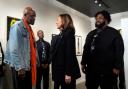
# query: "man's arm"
(86, 52)
(119, 52)
(48, 52)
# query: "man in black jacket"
(43, 48)
(102, 57)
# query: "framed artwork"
(78, 45)
(10, 22)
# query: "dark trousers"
(104, 81)
(21, 83)
(63, 85)
(42, 72)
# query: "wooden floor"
(81, 86)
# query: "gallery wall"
(124, 23)
(47, 12)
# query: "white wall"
(120, 21)
(47, 11)
(124, 23)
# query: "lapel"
(55, 43)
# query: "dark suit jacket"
(63, 56)
(1, 66)
(40, 48)
(108, 52)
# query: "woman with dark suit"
(65, 68)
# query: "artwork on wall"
(10, 22)
(78, 45)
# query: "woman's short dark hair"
(68, 22)
(106, 15)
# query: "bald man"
(21, 51)
(43, 48)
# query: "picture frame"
(78, 43)
(10, 22)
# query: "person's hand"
(116, 71)
(21, 73)
(67, 79)
(45, 66)
(83, 68)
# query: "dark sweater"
(108, 52)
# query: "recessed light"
(99, 5)
(96, 1)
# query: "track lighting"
(101, 3)
(96, 1)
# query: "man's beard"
(100, 25)
(32, 21)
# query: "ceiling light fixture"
(101, 3)
(96, 1)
